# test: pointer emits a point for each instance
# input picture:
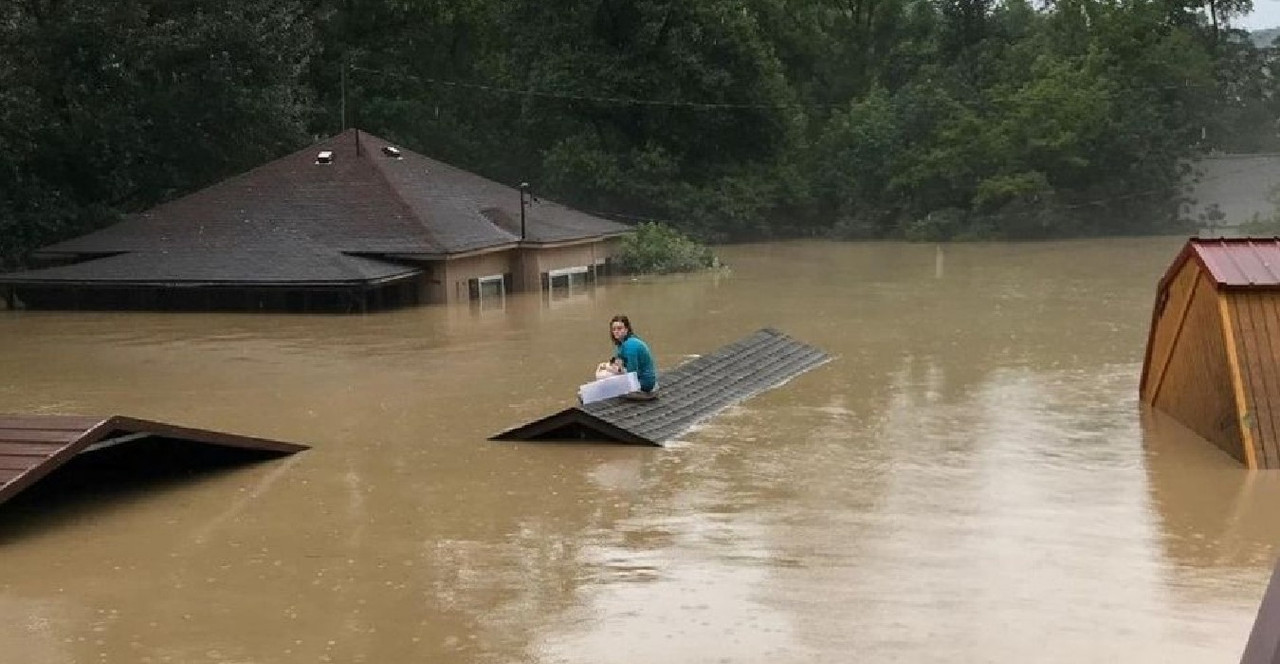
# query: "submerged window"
(567, 282)
(489, 292)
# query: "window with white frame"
(489, 291)
(567, 281)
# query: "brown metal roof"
(688, 394)
(32, 446)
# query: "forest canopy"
(730, 119)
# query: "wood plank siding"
(1213, 352)
(1167, 322)
(1255, 318)
(1194, 379)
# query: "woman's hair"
(625, 321)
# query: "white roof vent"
(391, 151)
(324, 157)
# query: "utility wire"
(599, 99)
(633, 101)
(1059, 207)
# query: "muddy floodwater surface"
(971, 479)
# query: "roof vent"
(391, 151)
(324, 157)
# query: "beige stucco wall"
(447, 280)
(459, 271)
(433, 284)
(555, 258)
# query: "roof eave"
(535, 244)
(99, 283)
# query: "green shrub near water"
(660, 249)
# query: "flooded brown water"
(971, 480)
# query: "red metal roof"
(1240, 261)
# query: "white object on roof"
(607, 388)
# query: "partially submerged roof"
(190, 267)
(1243, 262)
(365, 199)
(689, 394)
(32, 446)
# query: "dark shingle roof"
(185, 266)
(312, 216)
(689, 394)
(464, 211)
(345, 206)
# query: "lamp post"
(524, 189)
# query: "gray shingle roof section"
(464, 211)
(290, 203)
(312, 217)
(184, 266)
(689, 394)
(367, 203)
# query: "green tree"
(113, 107)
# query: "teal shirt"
(637, 357)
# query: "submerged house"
(349, 224)
(1213, 352)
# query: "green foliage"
(108, 108)
(758, 118)
(660, 249)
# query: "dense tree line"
(731, 118)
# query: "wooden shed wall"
(1195, 385)
(1255, 324)
(1166, 324)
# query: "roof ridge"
(234, 177)
(397, 194)
(432, 165)
(1234, 262)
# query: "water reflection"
(1213, 516)
(971, 476)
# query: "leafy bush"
(659, 249)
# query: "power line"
(634, 101)
(598, 99)
(1059, 207)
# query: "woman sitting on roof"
(635, 356)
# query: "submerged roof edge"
(77, 434)
(567, 418)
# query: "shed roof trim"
(1232, 262)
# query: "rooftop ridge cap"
(400, 200)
